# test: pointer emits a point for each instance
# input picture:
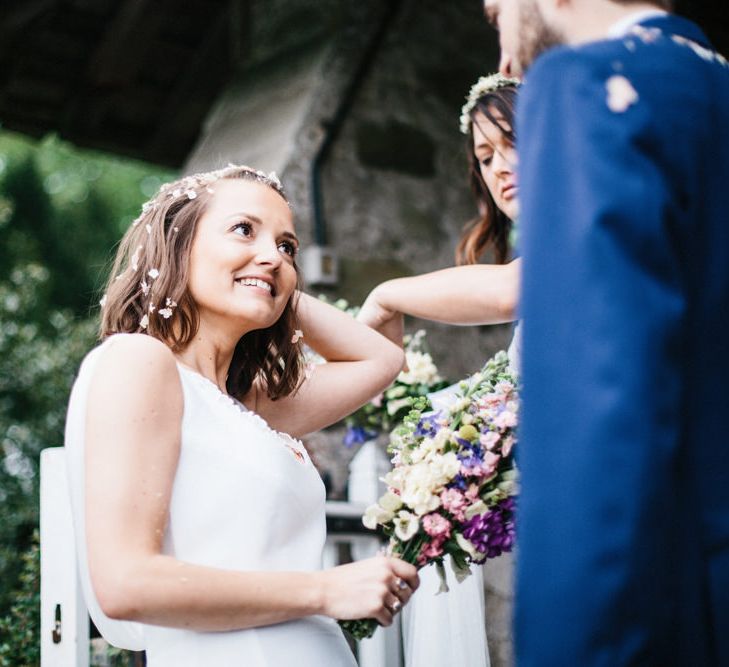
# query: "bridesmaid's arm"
(360, 364)
(473, 294)
(133, 431)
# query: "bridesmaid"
(470, 293)
(196, 509)
(450, 629)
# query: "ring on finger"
(396, 606)
(400, 583)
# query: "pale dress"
(244, 498)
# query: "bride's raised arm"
(360, 364)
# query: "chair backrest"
(64, 617)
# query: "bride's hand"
(373, 588)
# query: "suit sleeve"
(604, 311)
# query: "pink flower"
(454, 502)
(430, 551)
(507, 445)
(472, 493)
(377, 400)
(505, 419)
(437, 526)
(490, 463)
(489, 439)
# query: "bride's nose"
(267, 253)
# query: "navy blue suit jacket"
(623, 527)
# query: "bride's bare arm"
(133, 434)
(361, 363)
(473, 294)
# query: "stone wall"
(394, 185)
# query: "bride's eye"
(486, 161)
(288, 248)
(243, 228)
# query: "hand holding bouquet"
(452, 488)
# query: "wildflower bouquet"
(388, 409)
(453, 485)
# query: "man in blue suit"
(623, 136)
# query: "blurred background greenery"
(62, 210)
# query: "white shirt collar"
(627, 22)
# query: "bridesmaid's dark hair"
(491, 228)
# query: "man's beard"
(536, 36)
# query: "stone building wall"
(394, 185)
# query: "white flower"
(102, 303)
(165, 312)
(390, 501)
(467, 546)
(191, 194)
(374, 515)
(153, 273)
(406, 525)
(620, 93)
(170, 303)
(421, 369)
(144, 322)
(148, 227)
(145, 287)
(479, 507)
(298, 335)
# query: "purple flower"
(428, 425)
(356, 435)
(493, 532)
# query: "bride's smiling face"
(242, 260)
(497, 159)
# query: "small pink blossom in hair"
(298, 335)
(135, 258)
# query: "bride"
(450, 629)
(199, 521)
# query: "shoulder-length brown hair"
(492, 226)
(147, 291)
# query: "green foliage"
(19, 629)
(61, 212)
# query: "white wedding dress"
(449, 628)
(244, 498)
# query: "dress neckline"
(294, 445)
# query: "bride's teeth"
(254, 282)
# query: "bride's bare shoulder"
(137, 360)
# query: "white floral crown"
(485, 85)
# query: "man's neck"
(594, 22)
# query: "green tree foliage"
(19, 630)
(61, 212)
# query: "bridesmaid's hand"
(382, 319)
(373, 588)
